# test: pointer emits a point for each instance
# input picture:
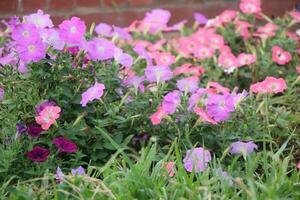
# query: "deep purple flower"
(100, 49)
(94, 92)
(158, 73)
(197, 159)
(25, 34)
(189, 84)
(40, 19)
(1, 93)
(200, 18)
(38, 154)
(242, 147)
(39, 108)
(31, 51)
(220, 106)
(122, 58)
(34, 130)
(104, 29)
(171, 101)
(141, 138)
(72, 31)
(64, 145)
(78, 171)
(21, 129)
(141, 51)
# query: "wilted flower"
(242, 147)
(197, 159)
(48, 116)
(158, 73)
(204, 116)
(280, 56)
(141, 51)
(78, 171)
(94, 92)
(171, 101)
(135, 81)
(59, 175)
(38, 154)
(64, 145)
(72, 31)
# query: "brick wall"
(122, 12)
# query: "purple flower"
(22, 67)
(242, 147)
(51, 38)
(141, 51)
(40, 19)
(194, 98)
(134, 81)
(103, 29)
(34, 130)
(78, 171)
(121, 33)
(64, 145)
(94, 92)
(189, 84)
(100, 49)
(156, 20)
(171, 101)
(72, 31)
(38, 154)
(220, 106)
(21, 129)
(123, 58)
(59, 175)
(200, 18)
(1, 93)
(8, 59)
(25, 34)
(197, 159)
(158, 73)
(39, 108)
(31, 51)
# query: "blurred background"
(123, 12)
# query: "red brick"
(33, 5)
(88, 3)
(61, 4)
(140, 2)
(58, 19)
(8, 5)
(114, 3)
(278, 7)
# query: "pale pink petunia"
(250, 6)
(164, 58)
(246, 59)
(228, 61)
(158, 116)
(202, 52)
(280, 56)
(227, 16)
(94, 92)
(123, 58)
(268, 30)
(48, 116)
(295, 15)
(215, 41)
(269, 85)
(298, 69)
(158, 74)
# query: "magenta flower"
(32, 51)
(200, 18)
(39, 108)
(25, 33)
(38, 154)
(189, 84)
(158, 73)
(103, 29)
(219, 107)
(78, 171)
(242, 147)
(100, 49)
(64, 145)
(123, 58)
(72, 31)
(94, 92)
(40, 19)
(1, 93)
(34, 130)
(197, 159)
(171, 101)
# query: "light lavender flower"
(78, 171)
(242, 147)
(197, 159)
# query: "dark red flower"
(38, 154)
(34, 130)
(65, 145)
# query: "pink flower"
(94, 92)
(122, 58)
(298, 166)
(164, 58)
(268, 30)
(40, 19)
(295, 15)
(219, 88)
(158, 74)
(188, 69)
(197, 159)
(269, 85)
(170, 168)
(228, 61)
(25, 33)
(250, 6)
(189, 84)
(100, 49)
(155, 20)
(202, 52)
(48, 116)
(204, 116)
(72, 31)
(31, 51)
(227, 16)
(242, 28)
(214, 41)
(104, 30)
(171, 101)
(246, 59)
(219, 107)
(158, 116)
(280, 56)
(298, 69)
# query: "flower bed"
(135, 112)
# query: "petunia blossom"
(242, 147)
(189, 84)
(158, 116)
(197, 159)
(100, 49)
(38, 154)
(280, 56)
(204, 116)
(123, 58)
(64, 145)
(78, 171)
(171, 101)
(269, 85)
(94, 92)
(31, 51)
(48, 116)
(72, 31)
(250, 6)
(219, 107)
(39, 19)
(158, 74)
